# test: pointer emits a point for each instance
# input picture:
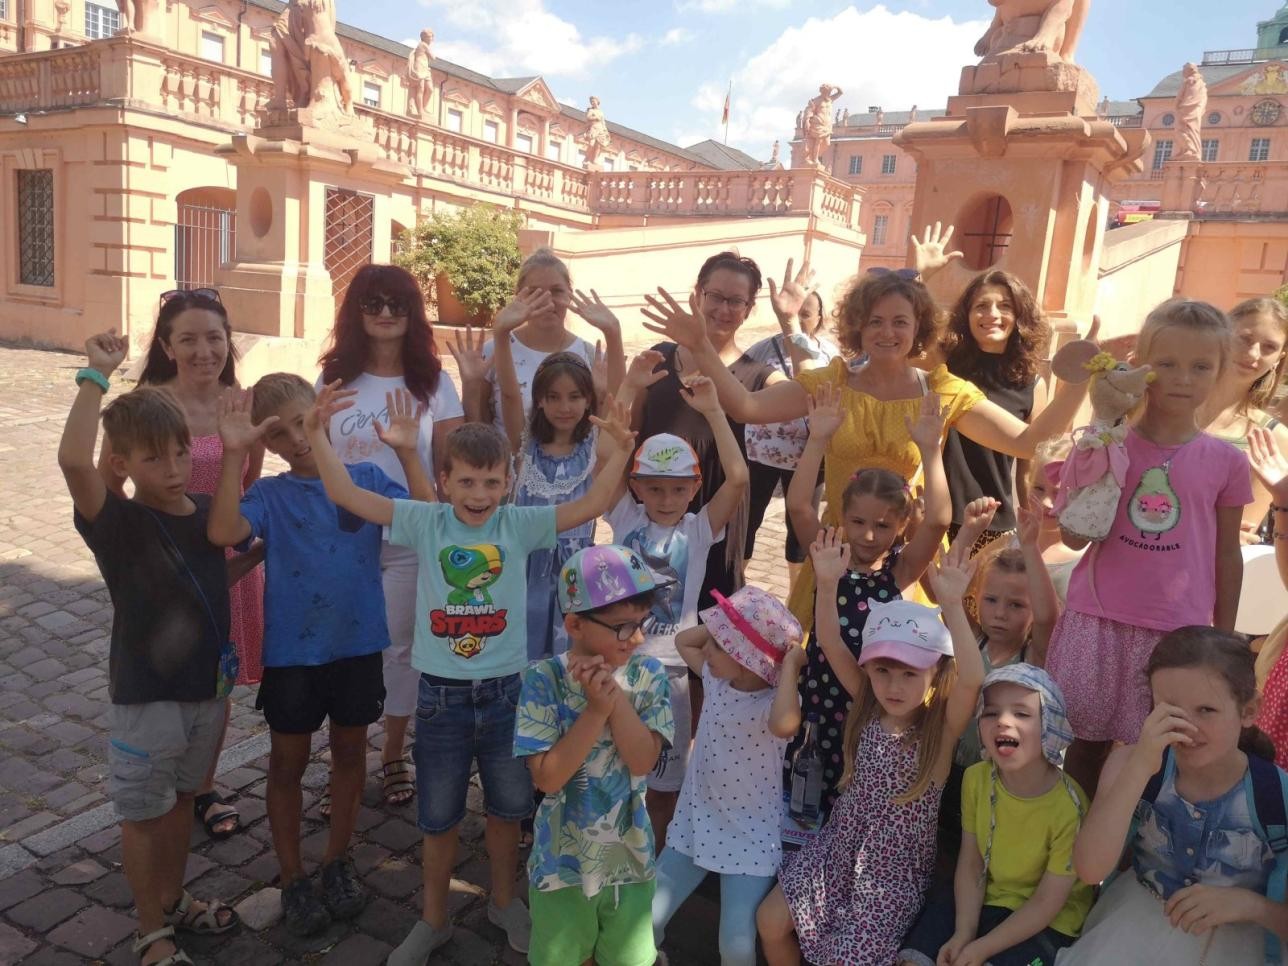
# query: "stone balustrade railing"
(1226, 188)
(126, 71)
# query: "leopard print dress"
(857, 888)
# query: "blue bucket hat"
(1056, 731)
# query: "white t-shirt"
(730, 809)
(525, 367)
(354, 437)
(678, 553)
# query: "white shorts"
(398, 567)
(668, 773)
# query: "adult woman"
(382, 341)
(726, 291)
(1246, 387)
(889, 319)
(997, 339)
(541, 335)
(192, 355)
(774, 449)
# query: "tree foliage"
(476, 248)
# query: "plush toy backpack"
(1091, 480)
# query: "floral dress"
(873, 432)
(856, 889)
(545, 480)
(246, 597)
(821, 693)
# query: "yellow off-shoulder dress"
(873, 432)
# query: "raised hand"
(794, 659)
(824, 411)
(787, 300)
(1268, 463)
(1028, 518)
(700, 393)
(237, 432)
(830, 554)
(1166, 725)
(927, 432)
(931, 255)
(616, 423)
(106, 351)
(403, 413)
(599, 371)
(468, 353)
(979, 513)
(666, 317)
(645, 370)
(950, 580)
(594, 311)
(331, 400)
(528, 303)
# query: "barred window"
(370, 94)
(888, 162)
(1260, 150)
(1211, 146)
(856, 164)
(36, 227)
(101, 21)
(880, 228)
(1162, 154)
(4, 9)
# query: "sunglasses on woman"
(907, 274)
(191, 293)
(375, 304)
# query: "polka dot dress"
(821, 693)
(1273, 716)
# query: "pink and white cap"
(906, 632)
(754, 628)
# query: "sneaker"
(341, 890)
(515, 921)
(419, 944)
(302, 909)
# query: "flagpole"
(728, 96)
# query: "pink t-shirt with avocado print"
(1157, 567)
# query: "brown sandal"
(399, 787)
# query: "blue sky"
(662, 66)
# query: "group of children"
(587, 709)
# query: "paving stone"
(111, 890)
(395, 878)
(359, 950)
(261, 909)
(104, 840)
(53, 956)
(235, 850)
(386, 920)
(301, 946)
(48, 909)
(93, 931)
(28, 826)
(18, 887)
(396, 835)
(14, 945)
(79, 873)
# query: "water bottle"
(807, 775)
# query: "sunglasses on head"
(191, 293)
(908, 274)
(375, 304)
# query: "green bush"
(1281, 295)
(477, 248)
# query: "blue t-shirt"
(323, 599)
(472, 586)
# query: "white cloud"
(677, 35)
(523, 37)
(722, 6)
(876, 56)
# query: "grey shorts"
(159, 750)
(668, 774)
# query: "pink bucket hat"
(754, 628)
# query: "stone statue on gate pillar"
(310, 68)
(1191, 103)
(1034, 26)
(420, 80)
(598, 140)
(773, 158)
(818, 123)
(138, 17)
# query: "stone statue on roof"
(310, 67)
(1034, 26)
(818, 123)
(598, 140)
(140, 17)
(1191, 103)
(420, 80)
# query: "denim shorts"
(457, 725)
(159, 750)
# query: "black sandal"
(202, 805)
(399, 789)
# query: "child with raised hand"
(589, 727)
(324, 617)
(470, 647)
(1016, 900)
(555, 448)
(665, 477)
(171, 663)
(876, 509)
(1179, 515)
(728, 820)
(1188, 805)
(1044, 472)
(851, 894)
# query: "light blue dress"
(545, 480)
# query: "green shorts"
(615, 927)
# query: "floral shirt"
(594, 833)
(781, 444)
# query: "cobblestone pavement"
(63, 898)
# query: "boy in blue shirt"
(324, 621)
(470, 647)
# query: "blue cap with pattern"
(599, 576)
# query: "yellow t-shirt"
(1032, 836)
